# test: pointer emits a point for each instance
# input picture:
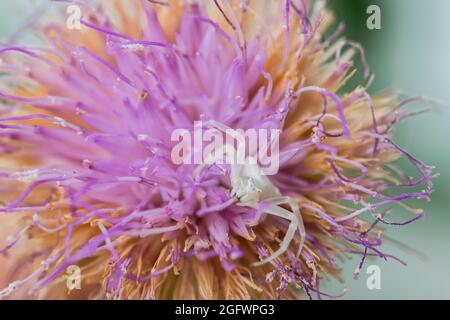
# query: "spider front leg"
(224, 128)
(218, 155)
(296, 224)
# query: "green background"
(411, 52)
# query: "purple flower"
(87, 173)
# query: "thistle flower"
(87, 176)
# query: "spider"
(251, 188)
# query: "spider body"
(251, 188)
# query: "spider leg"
(295, 209)
(213, 158)
(301, 225)
(290, 233)
(229, 149)
(224, 128)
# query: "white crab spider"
(250, 187)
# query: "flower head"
(87, 169)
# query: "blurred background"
(411, 52)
